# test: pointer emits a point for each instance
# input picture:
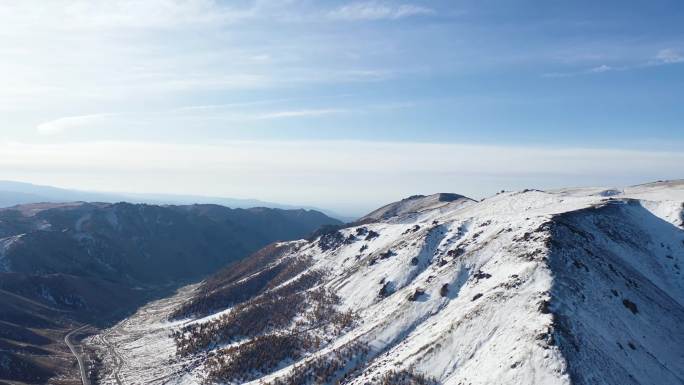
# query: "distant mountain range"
(17, 193)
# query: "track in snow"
(118, 360)
(134, 347)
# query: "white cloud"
(670, 56)
(298, 113)
(68, 123)
(601, 68)
(107, 124)
(377, 10)
(663, 57)
(234, 112)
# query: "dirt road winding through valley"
(79, 356)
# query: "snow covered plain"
(573, 286)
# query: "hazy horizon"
(343, 212)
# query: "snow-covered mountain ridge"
(573, 286)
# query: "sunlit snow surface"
(139, 349)
(539, 292)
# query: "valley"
(64, 266)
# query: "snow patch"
(5, 246)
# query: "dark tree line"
(272, 310)
(404, 377)
(260, 355)
(220, 293)
(294, 304)
(282, 325)
(333, 367)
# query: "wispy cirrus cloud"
(227, 112)
(68, 123)
(601, 68)
(665, 56)
(669, 56)
(228, 106)
(298, 113)
(378, 10)
(96, 15)
(123, 58)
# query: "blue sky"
(501, 77)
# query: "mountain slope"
(95, 262)
(141, 244)
(618, 295)
(578, 286)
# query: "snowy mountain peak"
(531, 287)
(416, 204)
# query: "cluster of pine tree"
(259, 355)
(330, 368)
(203, 304)
(244, 321)
(404, 377)
(242, 281)
(317, 322)
(274, 309)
